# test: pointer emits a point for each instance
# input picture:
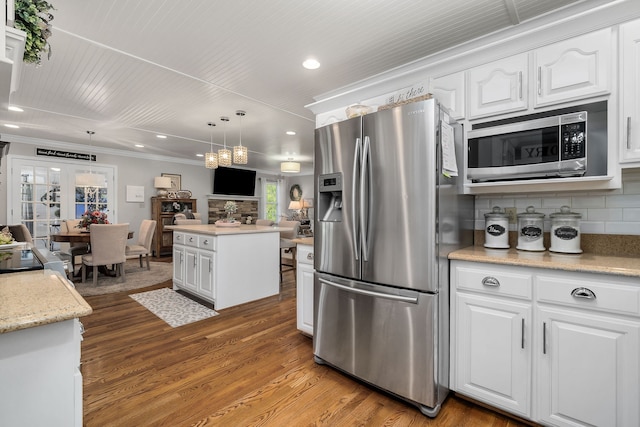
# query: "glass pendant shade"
(224, 157)
(240, 155)
(211, 160)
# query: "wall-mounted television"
(234, 182)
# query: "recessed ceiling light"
(311, 64)
(14, 108)
(290, 132)
(139, 145)
(12, 126)
(199, 155)
(161, 136)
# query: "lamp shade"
(89, 180)
(290, 167)
(295, 205)
(162, 182)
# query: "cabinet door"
(588, 370)
(498, 87)
(493, 351)
(206, 269)
(178, 265)
(191, 269)
(449, 91)
(630, 41)
(304, 295)
(572, 69)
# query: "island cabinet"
(162, 211)
(304, 289)
(226, 267)
(557, 347)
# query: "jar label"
(496, 230)
(531, 232)
(566, 233)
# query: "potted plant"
(33, 17)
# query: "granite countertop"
(35, 298)
(585, 262)
(304, 241)
(219, 231)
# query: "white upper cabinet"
(630, 91)
(498, 87)
(449, 91)
(573, 69)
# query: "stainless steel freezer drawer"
(382, 335)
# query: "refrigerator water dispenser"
(330, 197)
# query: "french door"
(40, 193)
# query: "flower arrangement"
(92, 217)
(230, 207)
(33, 17)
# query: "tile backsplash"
(603, 212)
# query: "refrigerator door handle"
(357, 165)
(412, 300)
(364, 197)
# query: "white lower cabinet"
(560, 348)
(304, 289)
(193, 264)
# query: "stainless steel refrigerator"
(386, 219)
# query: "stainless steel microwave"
(552, 146)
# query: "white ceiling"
(129, 70)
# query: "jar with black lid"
(530, 228)
(565, 231)
(496, 229)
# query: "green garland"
(33, 17)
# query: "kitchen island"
(226, 266)
(40, 338)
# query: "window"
(42, 192)
(271, 200)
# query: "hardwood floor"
(248, 366)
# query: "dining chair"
(145, 237)
(19, 232)
(108, 244)
(264, 222)
(181, 219)
(287, 243)
(72, 250)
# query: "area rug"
(173, 308)
(135, 278)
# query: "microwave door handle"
(365, 175)
(357, 166)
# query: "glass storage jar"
(496, 229)
(565, 231)
(530, 227)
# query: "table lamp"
(162, 184)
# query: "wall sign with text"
(64, 154)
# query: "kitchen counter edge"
(584, 262)
(36, 298)
(213, 230)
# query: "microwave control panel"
(573, 140)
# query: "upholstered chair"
(286, 243)
(108, 244)
(181, 219)
(264, 222)
(19, 232)
(72, 250)
(145, 236)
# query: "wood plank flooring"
(249, 366)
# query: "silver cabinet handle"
(539, 81)
(544, 338)
(520, 84)
(206, 242)
(191, 239)
(628, 133)
(310, 256)
(585, 293)
(522, 331)
(491, 281)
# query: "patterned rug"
(135, 278)
(173, 308)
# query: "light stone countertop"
(35, 298)
(585, 262)
(304, 241)
(214, 230)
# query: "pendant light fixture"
(290, 166)
(91, 181)
(224, 155)
(211, 158)
(240, 154)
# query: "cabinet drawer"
(305, 254)
(589, 293)
(494, 280)
(191, 240)
(207, 242)
(178, 238)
